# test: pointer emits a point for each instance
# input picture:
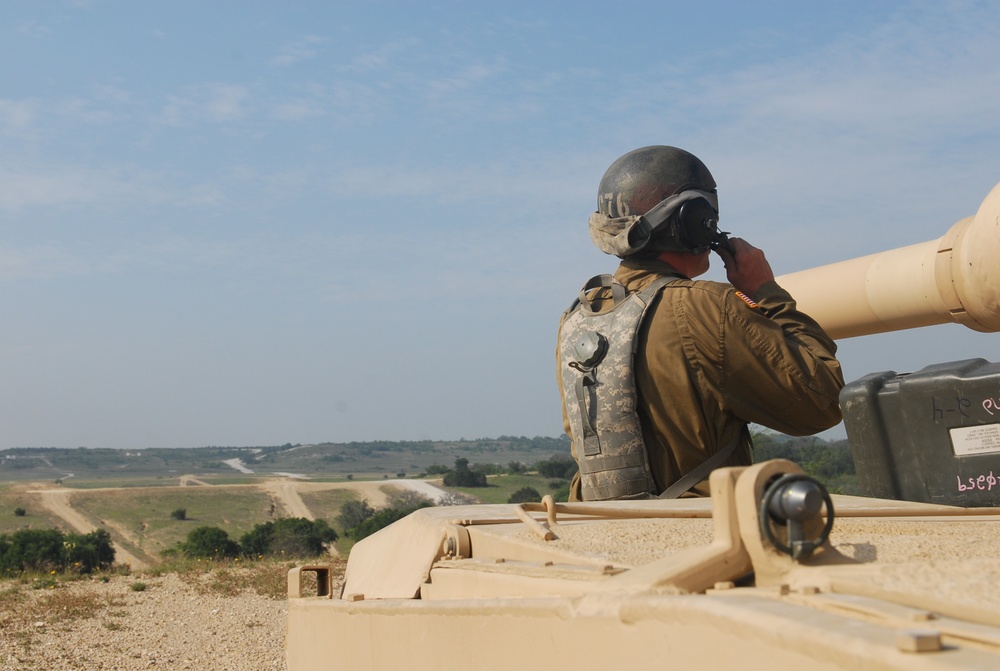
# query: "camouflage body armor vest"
(597, 352)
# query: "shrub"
(353, 513)
(489, 469)
(51, 550)
(405, 498)
(291, 537)
(437, 469)
(89, 552)
(210, 542)
(525, 495)
(20, 512)
(559, 466)
(463, 476)
(516, 467)
(179, 514)
(380, 520)
(32, 550)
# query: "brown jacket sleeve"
(779, 367)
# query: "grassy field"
(502, 486)
(36, 516)
(144, 515)
(140, 518)
(133, 493)
(325, 504)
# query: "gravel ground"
(192, 621)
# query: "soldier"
(661, 373)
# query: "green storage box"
(931, 436)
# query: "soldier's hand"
(746, 266)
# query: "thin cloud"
(384, 57)
(299, 50)
(39, 261)
(33, 29)
(17, 115)
(218, 103)
(297, 110)
(24, 187)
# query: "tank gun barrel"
(955, 278)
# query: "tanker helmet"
(655, 199)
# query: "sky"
(255, 223)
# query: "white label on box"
(982, 439)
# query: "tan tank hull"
(955, 278)
(683, 583)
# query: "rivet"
(922, 616)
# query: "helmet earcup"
(697, 225)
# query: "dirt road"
(288, 494)
(57, 502)
(285, 492)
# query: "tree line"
(45, 550)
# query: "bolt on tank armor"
(657, 199)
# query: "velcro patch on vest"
(746, 299)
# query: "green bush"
(463, 476)
(353, 513)
(32, 550)
(209, 542)
(20, 512)
(51, 550)
(89, 552)
(289, 537)
(437, 469)
(380, 520)
(558, 466)
(179, 514)
(525, 495)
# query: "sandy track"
(285, 491)
(57, 502)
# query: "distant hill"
(376, 458)
(830, 461)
